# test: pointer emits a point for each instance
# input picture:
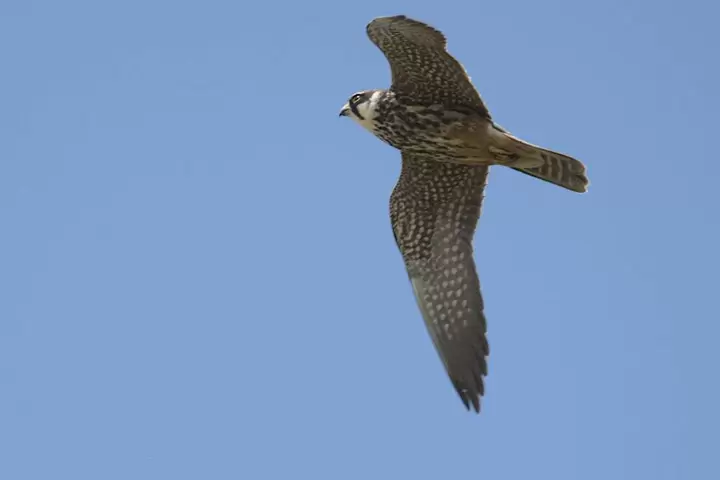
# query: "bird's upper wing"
(434, 209)
(422, 68)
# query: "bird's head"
(362, 107)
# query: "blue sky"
(198, 274)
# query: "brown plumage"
(424, 73)
(434, 115)
(434, 209)
(422, 69)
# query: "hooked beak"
(345, 111)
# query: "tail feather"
(560, 170)
(554, 167)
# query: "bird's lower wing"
(434, 209)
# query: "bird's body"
(459, 136)
(447, 138)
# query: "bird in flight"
(447, 140)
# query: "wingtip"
(476, 403)
(391, 17)
(387, 19)
(471, 400)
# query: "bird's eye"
(355, 98)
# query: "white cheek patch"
(368, 116)
(368, 111)
(365, 110)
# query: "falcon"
(447, 140)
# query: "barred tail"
(553, 167)
(560, 170)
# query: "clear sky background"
(199, 279)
